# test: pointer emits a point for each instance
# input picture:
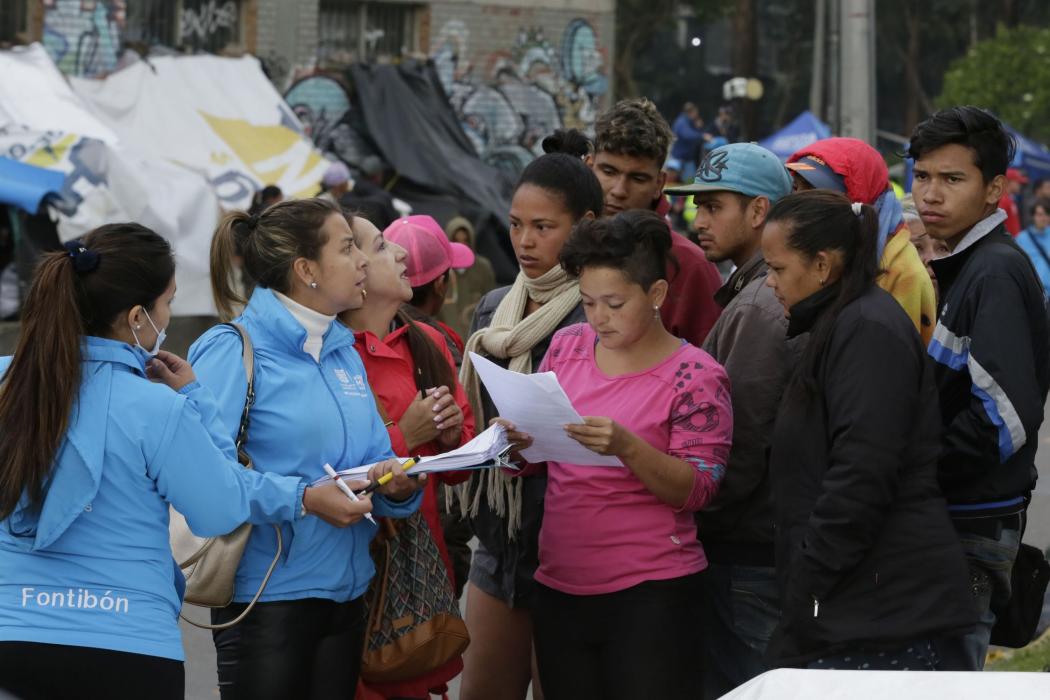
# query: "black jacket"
(517, 558)
(992, 358)
(866, 555)
(749, 340)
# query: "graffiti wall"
(85, 37)
(515, 75)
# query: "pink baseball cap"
(430, 252)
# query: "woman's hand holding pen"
(398, 488)
(331, 505)
(418, 425)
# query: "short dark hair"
(633, 128)
(561, 170)
(1041, 202)
(992, 145)
(635, 242)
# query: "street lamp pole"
(857, 75)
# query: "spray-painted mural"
(83, 36)
(521, 95)
(323, 106)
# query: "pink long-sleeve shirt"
(603, 530)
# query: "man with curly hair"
(631, 143)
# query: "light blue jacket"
(92, 566)
(306, 414)
(1036, 244)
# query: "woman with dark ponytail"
(871, 571)
(619, 556)
(91, 454)
(312, 407)
(513, 326)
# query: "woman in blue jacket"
(91, 454)
(313, 406)
(1035, 241)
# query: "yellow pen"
(386, 478)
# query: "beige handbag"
(210, 564)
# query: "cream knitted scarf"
(512, 336)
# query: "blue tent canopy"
(1032, 157)
(802, 131)
(25, 185)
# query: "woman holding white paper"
(619, 556)
(413, 376)
(312, 406)
(513, 326)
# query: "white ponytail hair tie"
(858, 208)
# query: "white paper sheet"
(479, 453)
(538, 406)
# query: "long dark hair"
(74, 293)
(822, 220)
(432, 368)
(269, 242)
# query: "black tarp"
(408, 119)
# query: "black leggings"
(32, 671)
(309, 649)
(637, 643)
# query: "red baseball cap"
(430, 252)
(1016, 175)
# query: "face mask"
(161, 335)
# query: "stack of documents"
(486, 450)
(538, 406)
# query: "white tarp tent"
(798, 684)
(220, 117)
(168, 146)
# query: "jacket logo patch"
(352, 386)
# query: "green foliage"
(1034, 657)
(1008, 74)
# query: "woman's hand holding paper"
(602, 435)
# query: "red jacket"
(1013, 214)
(690, 309)
(391, 372)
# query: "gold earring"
(821, 283)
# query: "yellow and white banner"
(169, 143)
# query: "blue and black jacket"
(992, 353)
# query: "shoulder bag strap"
(248, 359)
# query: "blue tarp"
(25, 185)
(802, 131)
(1032, 157)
